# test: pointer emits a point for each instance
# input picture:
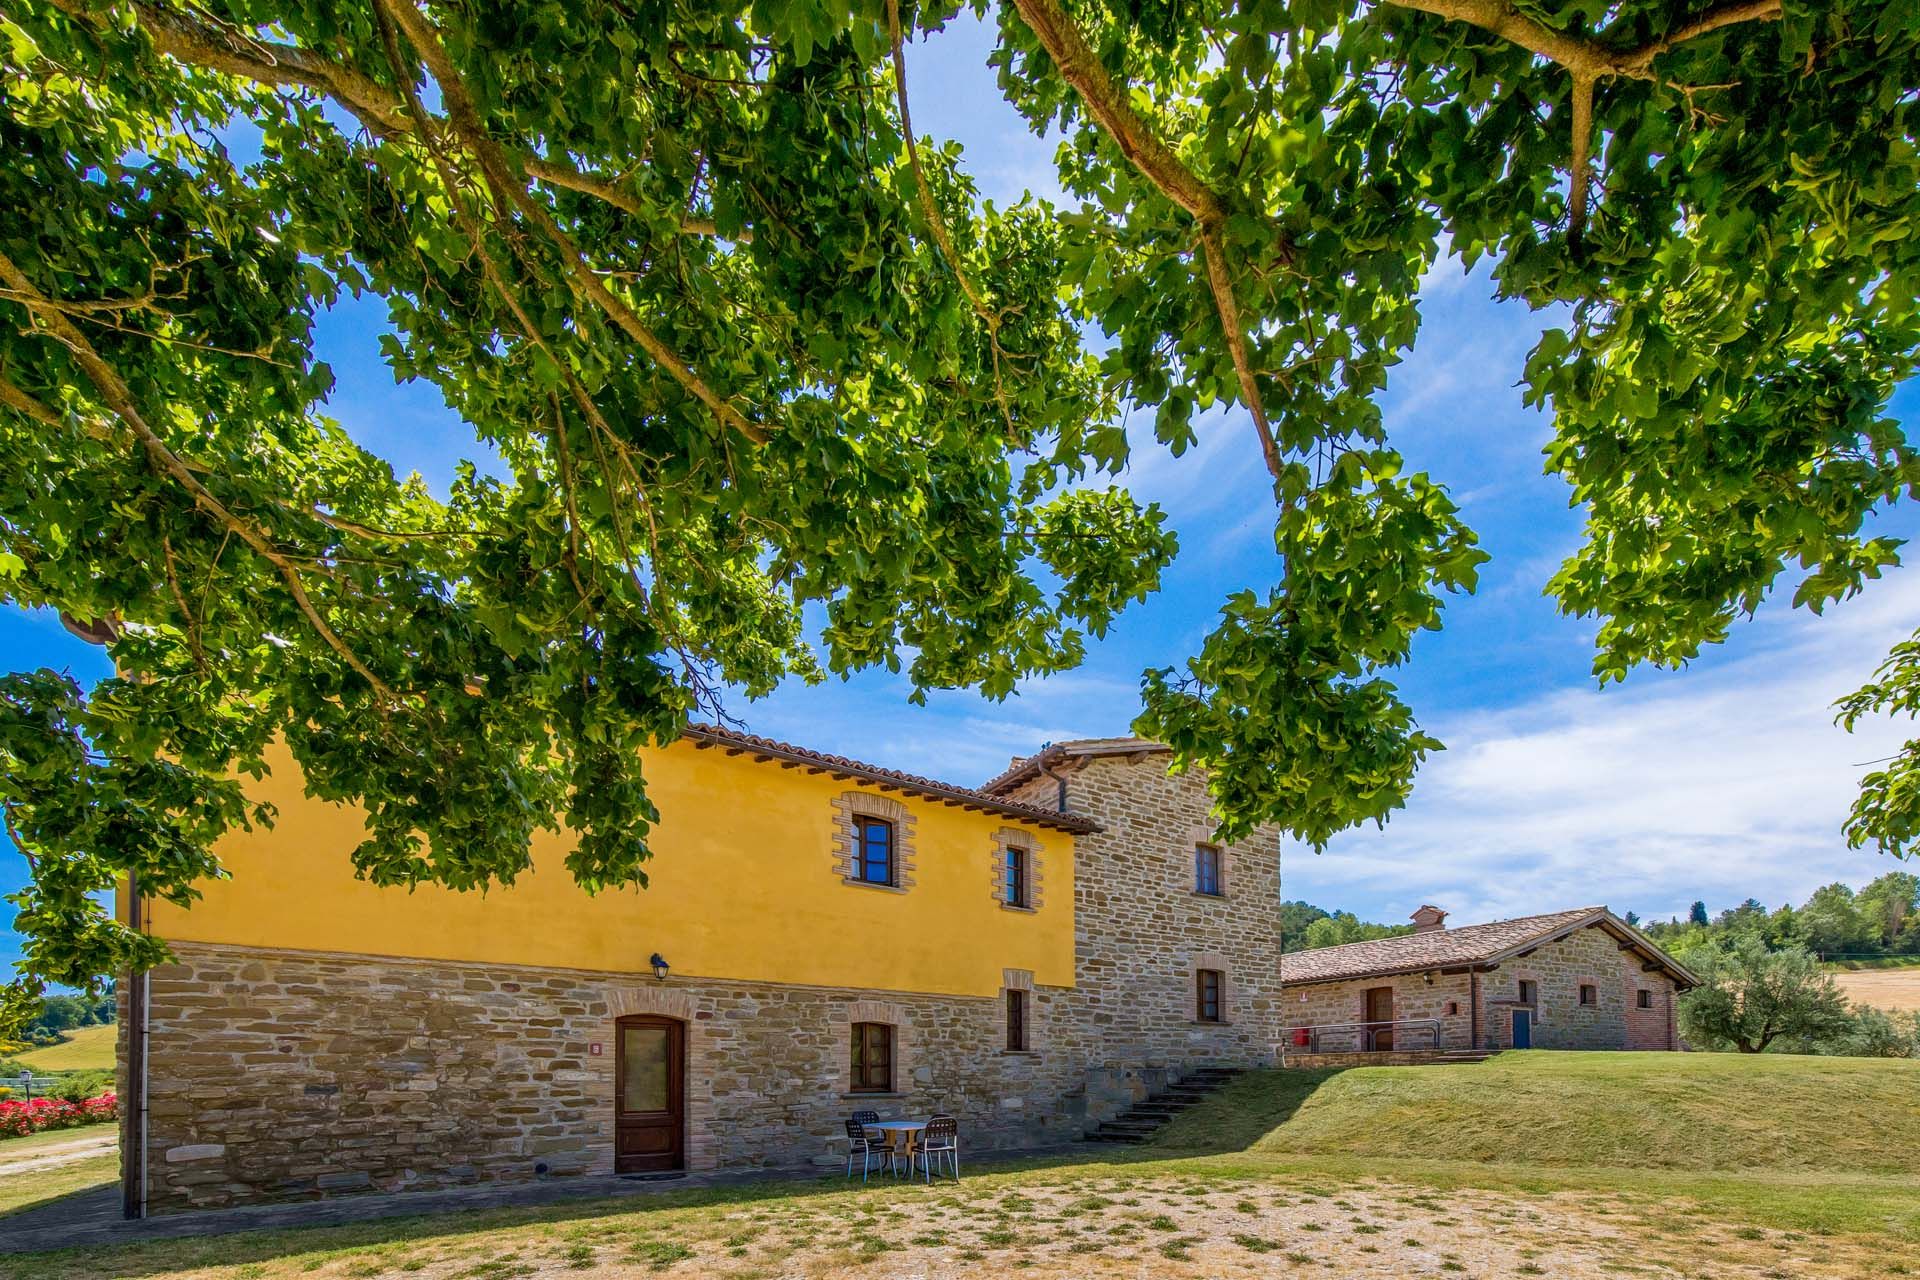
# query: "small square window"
(1016, 890)
(1017, 1021)
(1206, 870)
(873, 862)
(1589, 994)
(1529, 991)
(1643, 999)
(1453, 1008)
(1206, 995)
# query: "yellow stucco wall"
(742, 886)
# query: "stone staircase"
(1147, 1118)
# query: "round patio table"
(910, 1131)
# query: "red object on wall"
(1299, 1037)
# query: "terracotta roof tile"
(732, 740)
(1435, 949)
(1028, 766)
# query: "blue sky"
(1719, 782)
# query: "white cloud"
(1719, 783)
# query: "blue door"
(1523, 1028)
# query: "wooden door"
(649, 1095)
(1380, 1009)
(1523, 1028)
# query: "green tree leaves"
(749, 360)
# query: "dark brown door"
(1379, 1010)
(649, 1095)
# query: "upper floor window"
(1017, 1020)
(1018, 877)
(1206, 870)
(1589, 994)
(873, 861)
(1206, 995)
(1644, 999)
(872, 1057)
(1529, 991)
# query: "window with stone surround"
(1529, 991)
(1589, 994)
(873, 861)
(1016, 1021)
(1018, 869)
(1643, 999)
(873, 841)
(1206, 995)
(872, 1058)
(1206, 870)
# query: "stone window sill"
(1019, 1053)
(1210, 897)
(1025, 911)
(858, 883)
(1202, 1022)
(878, 1097)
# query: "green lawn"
(82, 1049)
(1694, 1111)
(1579, 1166)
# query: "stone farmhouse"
(1582, 979)
(818, 935)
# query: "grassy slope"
(1700, 1112)
(83, 1049)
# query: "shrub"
(18, 1119)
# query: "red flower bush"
(18, 1119)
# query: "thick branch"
(1159, 165)
(200, 42)
(1082, 69)
(465, 119)
(119, 398)
(1578, 177)
(1591, 57)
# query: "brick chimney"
(1429, 919)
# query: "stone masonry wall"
(1560, 1021)
(284, 1075)
(1141, 931)
(1448, 1001)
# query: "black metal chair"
(858, 1143)
(940, 1138)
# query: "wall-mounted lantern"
(660, 966)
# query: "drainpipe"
(1060, 802)
(133, 1171)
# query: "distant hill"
(81, 1049)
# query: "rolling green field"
(1577, 1166)
(82, 1049)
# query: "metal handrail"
(1366, 1035)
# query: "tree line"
(1882, 919)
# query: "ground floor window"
(1017, 1021)
(1206, 995)
(872, 1057)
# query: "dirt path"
(56, 1154)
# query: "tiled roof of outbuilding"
(738, 743)
(1466, 947)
